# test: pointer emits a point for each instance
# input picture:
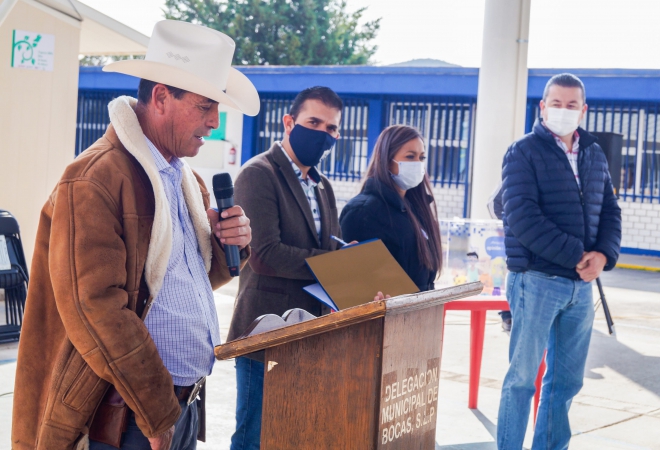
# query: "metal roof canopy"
(100, 34)
(601, 84)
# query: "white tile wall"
(450, 201)
(641, 225)
(344, 191)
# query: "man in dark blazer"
(293, 213)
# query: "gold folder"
(356, 273)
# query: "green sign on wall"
(34, 51)
(220, 133)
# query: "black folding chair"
(14, 280)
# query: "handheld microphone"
(223, 188)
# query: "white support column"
(502, 98)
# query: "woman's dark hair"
(419, 201)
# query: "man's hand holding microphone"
(234, 229)
(228, 222)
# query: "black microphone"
(223, 189)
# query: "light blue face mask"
(411, 174)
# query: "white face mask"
(562, 121)
(411, 174)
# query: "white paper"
(34, 51)
(5, 263)
(319, 293)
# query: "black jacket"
(548, 220)
(378, 212)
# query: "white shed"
(40, 41)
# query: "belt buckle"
(195, 390)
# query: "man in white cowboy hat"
(120, 321)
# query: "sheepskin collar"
(127, 127)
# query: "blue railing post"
(249, 140)
(468, 158)
(529, 115)
(375, 124)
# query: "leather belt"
(190, 393)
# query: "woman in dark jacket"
(396, 206)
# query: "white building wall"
(38, 114)
(641, 225)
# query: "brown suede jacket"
(101, 252)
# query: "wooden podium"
(362, 378)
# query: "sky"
(563, 33)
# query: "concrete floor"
(625, 278)
(618, 408)
(648, 262)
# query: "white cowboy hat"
(196, 59)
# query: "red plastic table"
(478, 306)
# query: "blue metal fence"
(347, 161)
(92, 118)
(446, 124)
(638, 123)
(376, 97)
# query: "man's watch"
(243, 253)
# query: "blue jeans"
(185, 432)
(249, 398)
(554, 313)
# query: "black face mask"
(310, 145)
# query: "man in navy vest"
(563, 227)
